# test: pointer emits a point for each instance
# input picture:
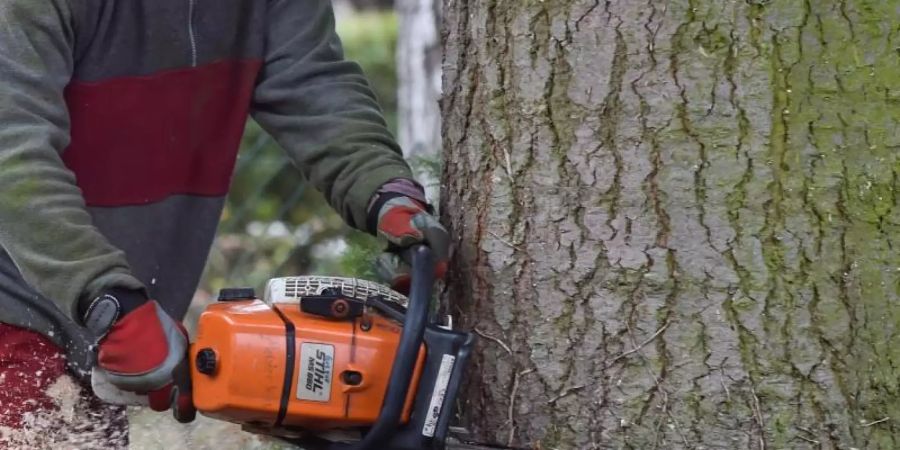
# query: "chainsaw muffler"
(331, 363)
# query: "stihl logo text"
(316, 371)
(319, 371)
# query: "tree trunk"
(675, 221)
(419, 79)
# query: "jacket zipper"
(191, 34)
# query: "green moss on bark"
(689, 211)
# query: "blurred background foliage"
(274, 223)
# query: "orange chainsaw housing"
(337, 379)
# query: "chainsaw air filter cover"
(313, 355)
(292, 289)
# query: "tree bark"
(419, 79)
(676, 221)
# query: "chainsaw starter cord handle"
(423, 263)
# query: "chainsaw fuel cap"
(236, 294)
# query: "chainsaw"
(329, 363)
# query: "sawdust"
(78, 422)
(150, 430)
(65, 394)
(82, 423)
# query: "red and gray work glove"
(404, 221)
(141, 349)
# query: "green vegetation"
(371, 40)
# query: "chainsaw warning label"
(316, 370)
(438, 395)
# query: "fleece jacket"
(120, 122)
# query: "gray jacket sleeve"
(44, 224)
(321, 110)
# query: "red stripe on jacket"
(138, 140)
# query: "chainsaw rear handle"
(181, 394)
(422, 261)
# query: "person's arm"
(44, 223)
(321, 110)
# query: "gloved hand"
(141, 348)
(404, 222)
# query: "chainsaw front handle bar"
(422, 261)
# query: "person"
(119, 128)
